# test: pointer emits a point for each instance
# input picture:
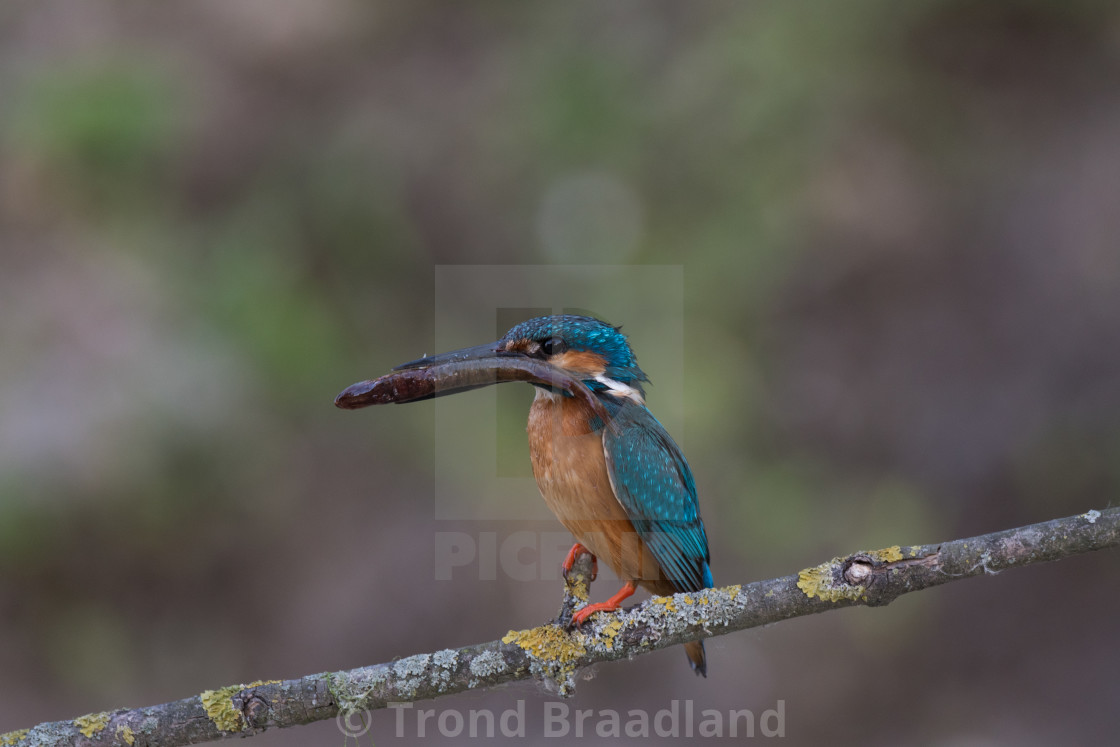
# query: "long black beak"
(460, 371)
(477, 353)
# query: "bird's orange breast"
(571, 471)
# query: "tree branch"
(551, 652)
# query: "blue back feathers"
(654, 484)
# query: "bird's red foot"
(573, 555)
(608, 606)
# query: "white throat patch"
(618, 389)
(543, 393)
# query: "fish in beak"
(460, 371)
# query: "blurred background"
(897, 226)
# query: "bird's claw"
(573, 555)
(579, 617)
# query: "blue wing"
(655, 487)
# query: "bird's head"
(585, 348)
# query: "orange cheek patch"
(580, 361)
(521, 345)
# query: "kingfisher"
(605, 466)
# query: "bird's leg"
(579, 569)
(573, 554)
(608, 606)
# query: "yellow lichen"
(92, 723)
(610, 630)
(13, 737)
(733, 591)
(890, 554)
(124, 732)
(668, 603)
(580, 589)
(548, 643)
(219, 704)
(817, 582)
(219, 707)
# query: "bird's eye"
(553, 346)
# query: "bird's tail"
(695, 649)
(696, 657)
